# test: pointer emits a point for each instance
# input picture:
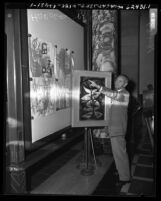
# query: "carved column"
(104, 40)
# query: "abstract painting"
(90, 108)
(92, 102)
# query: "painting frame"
(77, 77)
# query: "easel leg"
(97, 162)
(88, 170)
(93, 149)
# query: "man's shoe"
(115, 173)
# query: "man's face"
(120, 82)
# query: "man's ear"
(125, 84)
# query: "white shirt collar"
(119, 90)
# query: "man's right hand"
(93, 84)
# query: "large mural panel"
(56, 46)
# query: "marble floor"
(63, 175)
(69, 180)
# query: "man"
(118, 124)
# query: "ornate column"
(104, 40)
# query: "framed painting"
(90, 108)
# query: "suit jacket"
(118, 110)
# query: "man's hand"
(93, 84)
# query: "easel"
(86, 164)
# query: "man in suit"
(118, 124)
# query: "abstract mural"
(50, 71)
(90, 108)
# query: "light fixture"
(153, 21)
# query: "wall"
(137, 59)
(129, 46)
(146, 53)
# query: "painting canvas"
(92, 104)
(90, 108)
